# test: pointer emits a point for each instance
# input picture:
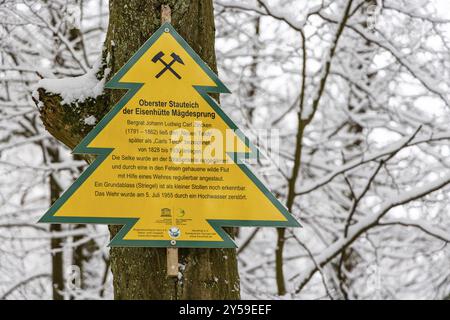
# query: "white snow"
(35, 95)
(76, 88)
(91, 120)
(296, 21)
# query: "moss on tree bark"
(140, 273)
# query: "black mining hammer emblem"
(167, 66)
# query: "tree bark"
(57, 254)
(55, 242)
(140, 273)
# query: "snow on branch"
(367, 223)
(21, 142)
(295, 20)
(421, 225)
(425, 79)
(413, 14)
(76, 89)
(24, 282)
(385, 151)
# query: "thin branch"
(368, 222)
(244, 245)
(431, 231)
(327, 290)
(22, 283)
(369, 158)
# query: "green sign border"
(103, 153)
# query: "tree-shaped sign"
(168, 163)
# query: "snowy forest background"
(359, 93)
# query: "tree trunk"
(140, 273)
(55, 242)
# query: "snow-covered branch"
(368, 222)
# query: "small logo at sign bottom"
(174, 232)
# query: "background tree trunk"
(56, 242)
(140, 273)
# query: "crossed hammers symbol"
(167, 66)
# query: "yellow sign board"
(169, 161)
